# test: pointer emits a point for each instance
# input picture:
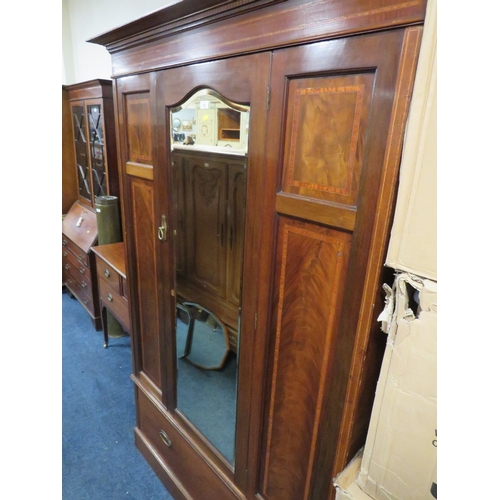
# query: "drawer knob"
(64, 242)
(110, 297)
(83, 284)
(166, 440)
(65, 254)
(82, 270)
(67, 266)
(80, 257)
(107, 273)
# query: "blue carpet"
(99, 457)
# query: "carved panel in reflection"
(205, 225)
(236, 212)
(209, 193)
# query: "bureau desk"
(79, 235)
(112, 284)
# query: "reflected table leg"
(189, 337)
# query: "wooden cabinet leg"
(104, 319)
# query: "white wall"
(84, 19)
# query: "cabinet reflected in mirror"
(210, 122)
(209, 138)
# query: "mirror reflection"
(206, 343)
(209, 138)
(211, 123)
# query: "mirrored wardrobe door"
(214, 139)
(210, 151)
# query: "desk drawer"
(114, 302)
(79, 254)
(78, 279)
(76, 268)
(108, 276)
(81, 294)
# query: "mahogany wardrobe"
(259, 144)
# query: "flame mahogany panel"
(310, 272)
(142, 213)
(139, 129)
(325, 136)
(135, 117)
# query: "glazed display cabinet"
(94, 140)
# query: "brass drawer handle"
(65, 254)
(166, 440)
(85, 301)
(80, 257)
(107, 273)
(82, 270)
(83, 284)
(110, 297)
(64, 242)
(67, 266)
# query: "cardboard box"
(345, 485)
(413, 241)
(399, 460)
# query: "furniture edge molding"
(174, 19)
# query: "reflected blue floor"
(208, 397)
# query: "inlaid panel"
(142, 214)
(326, 132)
(310, 269)
(138, 122)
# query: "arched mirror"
(211, 123)
(209, 139)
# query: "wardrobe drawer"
(107, 275)
(175, 451)
(80, 255)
